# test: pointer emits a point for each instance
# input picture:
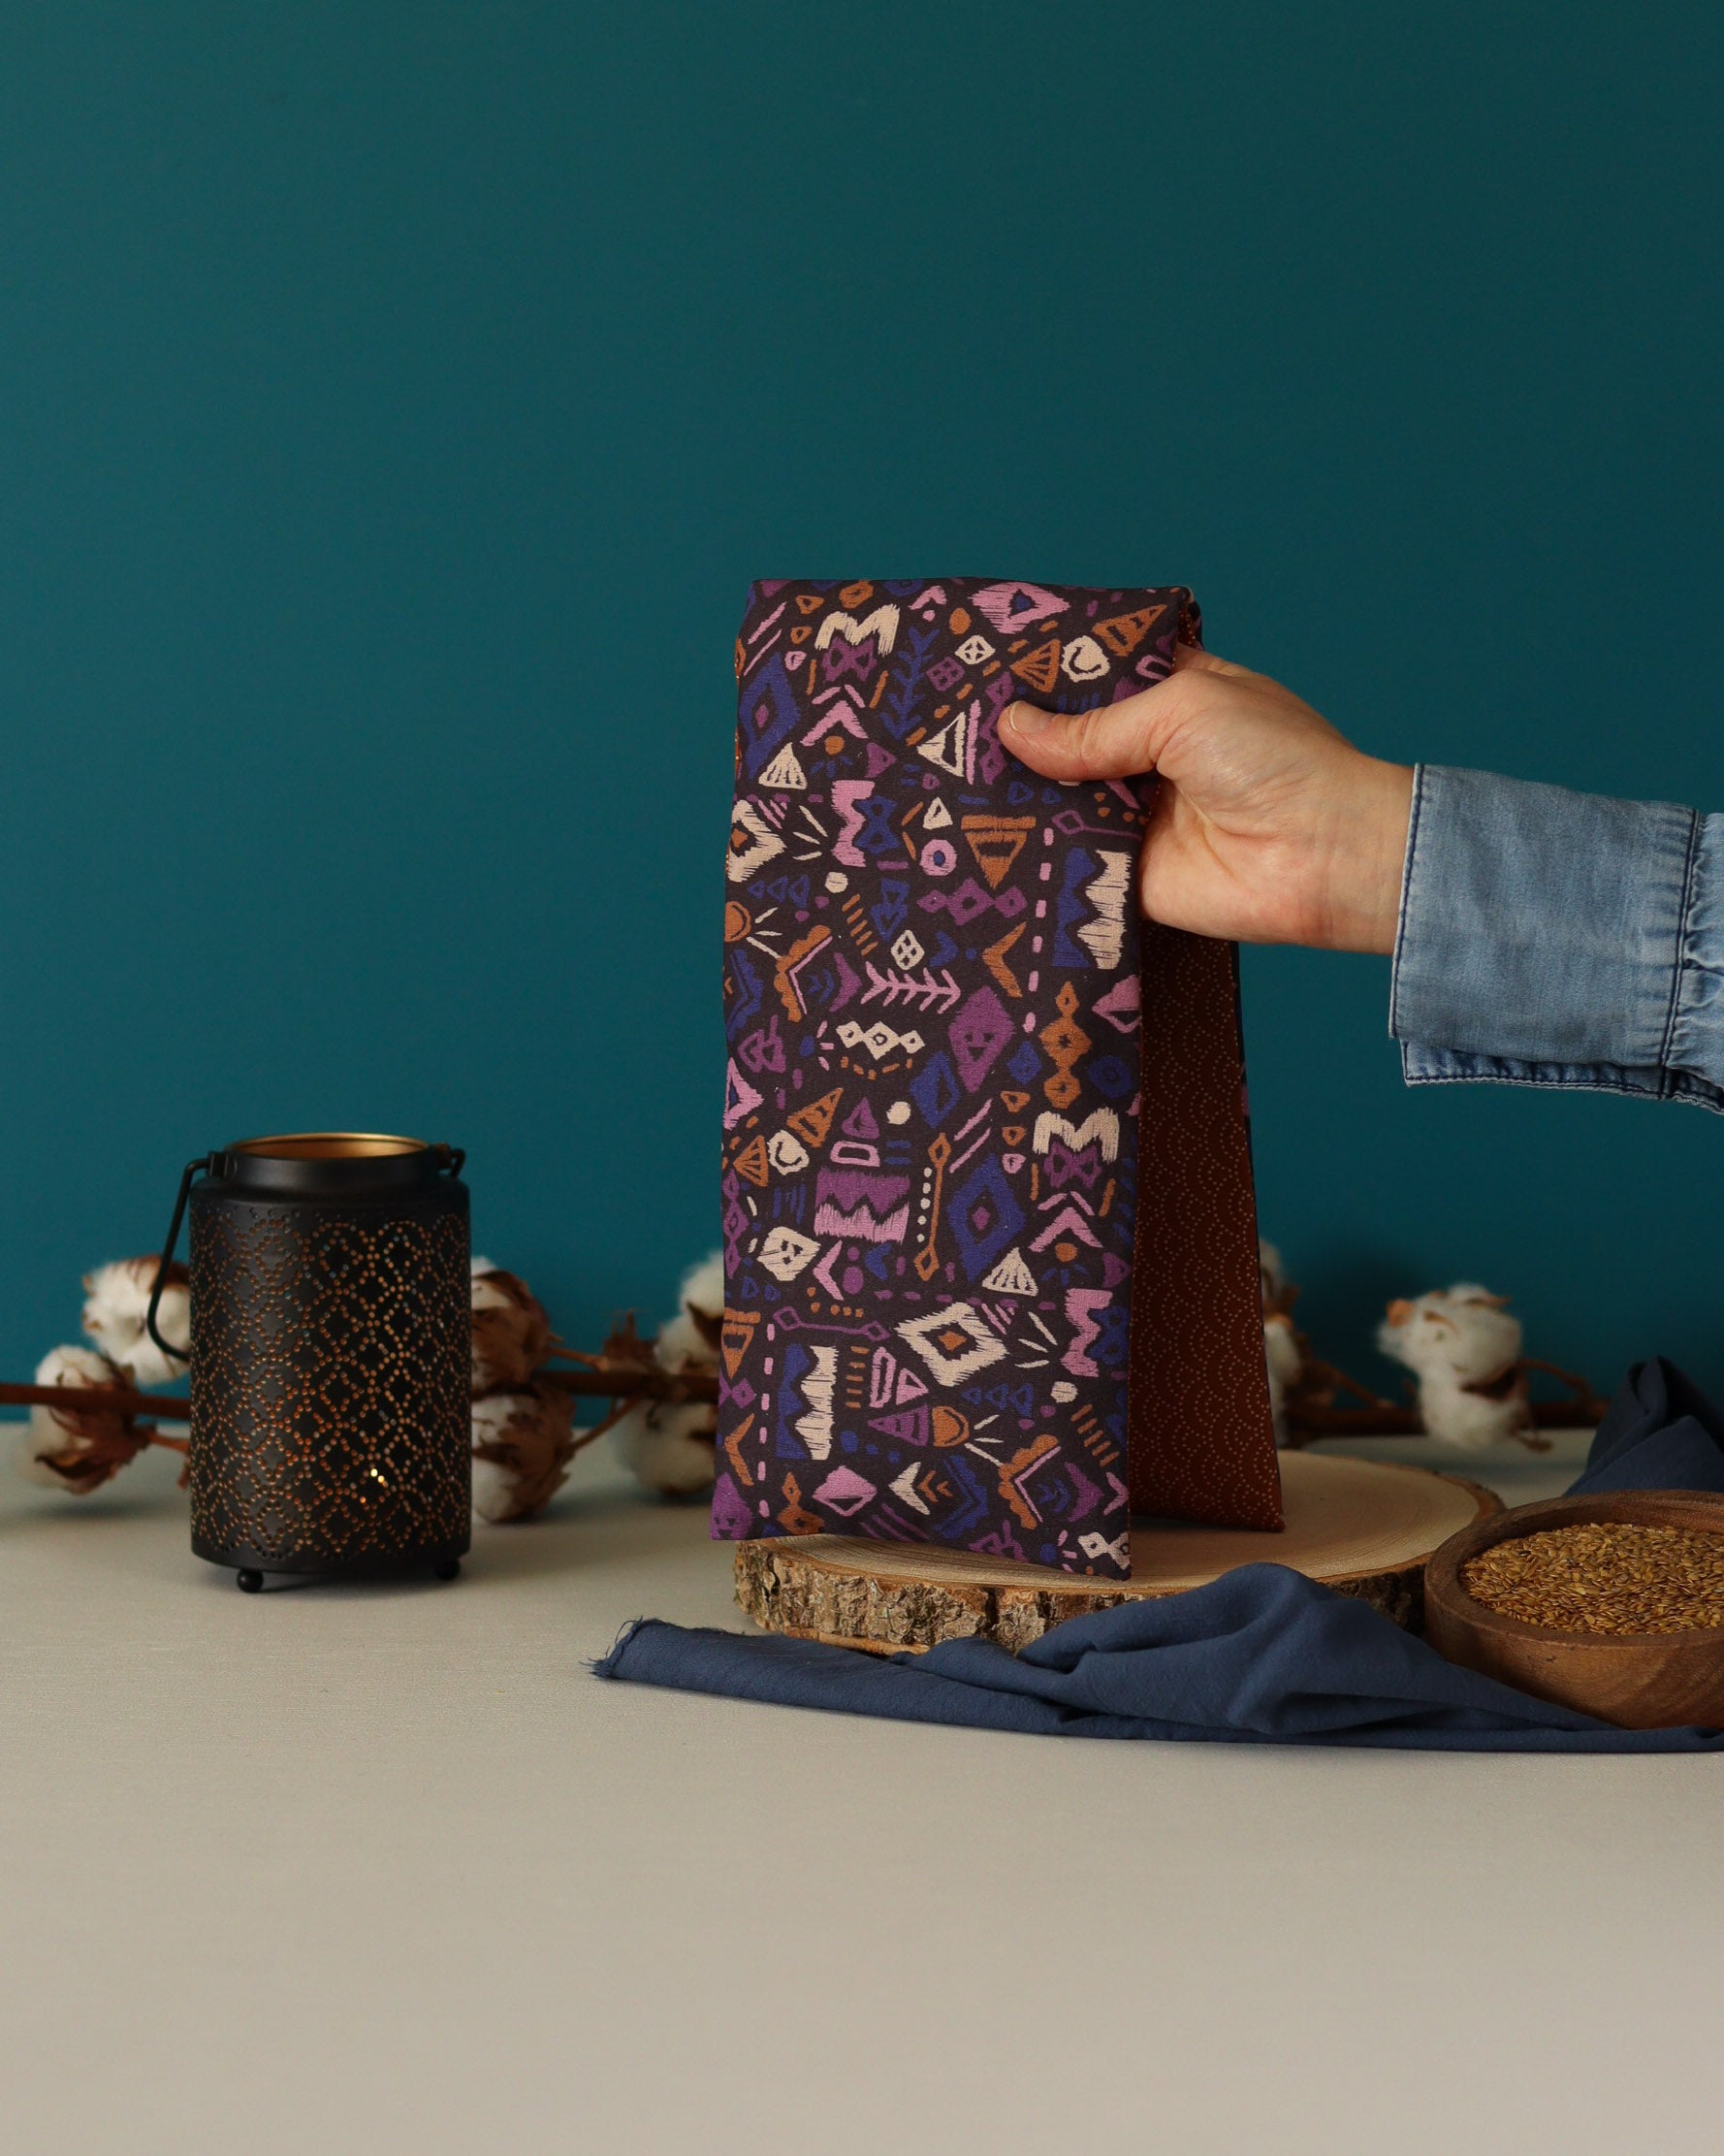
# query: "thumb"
(1116, 741)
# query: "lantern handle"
(193, 1169)
(453, 1158)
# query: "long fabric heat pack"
(990, 1238)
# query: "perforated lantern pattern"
(330, 1386)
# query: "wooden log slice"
(1360, 1527)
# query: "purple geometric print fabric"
(930, 1120)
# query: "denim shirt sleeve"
(1549, 937)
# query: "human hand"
(1269, 827)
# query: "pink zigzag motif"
(845, 794)
(1079, 1303)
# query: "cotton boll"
(1463, 1332)
(679, 1346)
(1281, 1352)
(1456, 1417)
(669, 1448)
(511, 1332)
(1464, 1349)
(117, 1306)
(78, 1449)
(523, 1443)
(493, 1489)
(691, 1339)
(702, 1286)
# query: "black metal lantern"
(331, 1352)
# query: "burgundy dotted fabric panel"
(1202, 1438)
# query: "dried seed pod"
(511, 1332)
(523, 1442)
(117, 1305)
(78, 1449)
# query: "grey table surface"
(384, 1869)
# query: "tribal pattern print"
(930, 1149)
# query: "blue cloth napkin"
(1262, 1656)
(1661, 1433)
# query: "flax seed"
(1607, 1576)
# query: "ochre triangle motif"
(737, 1332)
(1041, 668)
(996, 840)
(1126, 631)
(751, 1162)
(812, 1124)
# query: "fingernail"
(1027, 719)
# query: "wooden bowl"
(1636, 1680)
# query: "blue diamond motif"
(986, 1218)
(935, 1089)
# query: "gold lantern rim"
(331, 1146)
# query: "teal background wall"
(396, 397)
